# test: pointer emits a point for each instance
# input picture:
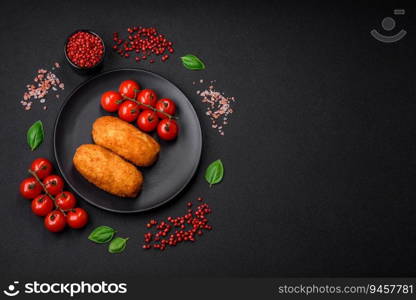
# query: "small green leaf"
(35, 135)
(102, 234)
(214, 172)
(192, 62)
(117, 245)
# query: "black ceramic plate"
(178, 160)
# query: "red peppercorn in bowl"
(84, 50)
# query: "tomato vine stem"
(148, 106)
(46, 191)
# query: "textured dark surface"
(319, 155)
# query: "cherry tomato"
(128, 111)
(30, 188)
(54, 184)
(77, 218)
(42, 167)
(167, 129)
(147, 120)
(110, 101)
(66, 200)
(166, 105)
(42, 205)
(148, 97)
(127, 88)
(55, 221)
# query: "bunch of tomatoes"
(49, 200)
(142, 106)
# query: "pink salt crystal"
(218, 106)
(44, 80)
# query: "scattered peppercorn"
(173, 231)
(145, 42)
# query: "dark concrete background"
(319, 155)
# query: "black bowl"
(84, 70)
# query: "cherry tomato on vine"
(167, 129)
(147, 97)
(166, 105)
(110, 101)
(128, 111)
(77, 218)
(147, 120)
(55, 221)
(30, 188)
(127, 88)
(42, 167)
(66, 200)
(54, 184)
(42, 205)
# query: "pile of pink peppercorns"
(173, 231)
(143, 42)
(85, 49)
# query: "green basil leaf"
(102, 234)
(192, 62)
(214, 172)
(117, 245)
(35, 135)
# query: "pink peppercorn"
(85, 49)
(144, 40)
(180, 229)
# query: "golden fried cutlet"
(107, 170)
(125, 140)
